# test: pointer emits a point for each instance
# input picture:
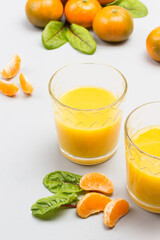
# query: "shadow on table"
(110, 44)
(28, 26)
(56, 160)
(150, 60)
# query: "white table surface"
(28, 143)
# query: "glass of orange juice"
(88, 101)
(142, 141)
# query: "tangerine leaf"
(80, 39)
(136, 8)
(53, 35)
(45, 206)
(60, 181)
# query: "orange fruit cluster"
(95, 202)
(9, 71)
(111, 23)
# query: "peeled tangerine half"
(8, 88)
(25, 84)
(96, 182)
(12, 68)
(92, 203)
(114, 210)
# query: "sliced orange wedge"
(96, 182)
(8, 88)
(114, 210)
(25, 84)
(92, 203)
(12, 68)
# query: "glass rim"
(126, 130)
(88, 110)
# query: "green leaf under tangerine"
(80, 39)
(53, 35)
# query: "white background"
(28, 143)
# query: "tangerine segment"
(114, 211)
(25, 84)
(12, 68)
(8, 88)
(92, 203)
(96, 182)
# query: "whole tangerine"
(113, 24)
(82, 12)
(153, 44)
(41, 12)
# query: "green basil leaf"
(81, 39)
(60, 181)
(48, 205)
(53, 35)
(136, 8)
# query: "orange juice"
(88, 129)
(144, 170)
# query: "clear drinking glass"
(88, 136)
(143, 169)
